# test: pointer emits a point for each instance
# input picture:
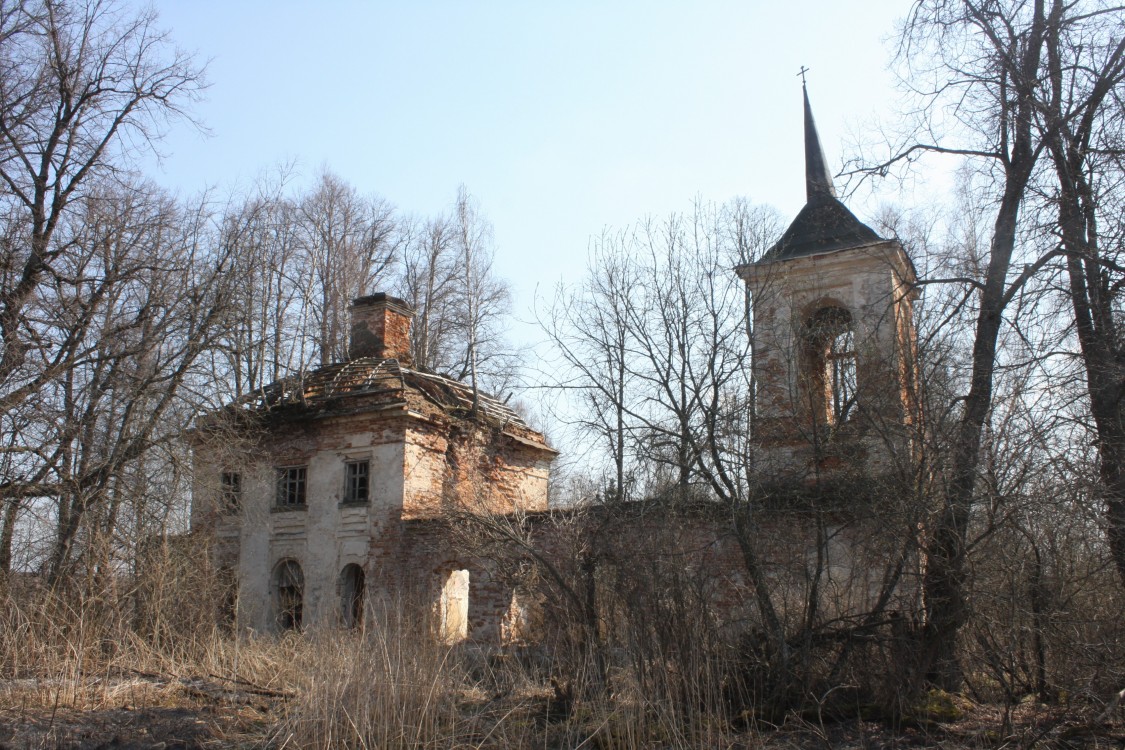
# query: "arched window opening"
(351, 595)
(841, 374)
(453, 608)
(289, 593)
(830, 365)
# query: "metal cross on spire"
(801, 73)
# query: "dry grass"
(78, 673)
(82, 674)
(383, 688)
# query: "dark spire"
(818, 181)
(825, 224)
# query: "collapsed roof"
(370, 383)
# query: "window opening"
(291, 484)
(830, 365)
(290, 589)
(231, 491)
(841, 375)
(454, 607)
(356, 474)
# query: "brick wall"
(647, 556)
(423, 463)
(380, 328)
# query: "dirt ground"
(151, 711)
(142, 711)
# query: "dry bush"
(1048, 618)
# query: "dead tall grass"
(382, 686)
(388, 685)
(663, 680)
(68, 650)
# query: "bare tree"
(348, 243)
(139, 298)
(428, 282)
(263, 340)
(1030, 87)
(985, 58)
(655, 343)
(1080, 117)
(589, 329)
(482, 302)
(80, 86)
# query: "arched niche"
(453, 607)
(289, 594)
(352, 587)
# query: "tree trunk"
(943, 583)
(1098, 335)
(7, 533)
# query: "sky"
(562, 119)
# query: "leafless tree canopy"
(991, 559)
(1028, 95)
(125, 313)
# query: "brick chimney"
(380, 328)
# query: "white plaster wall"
(256, 559)
(323, 537)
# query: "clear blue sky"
(560, 118)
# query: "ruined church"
(323, 502)
(331, 492)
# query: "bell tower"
(833, 341)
